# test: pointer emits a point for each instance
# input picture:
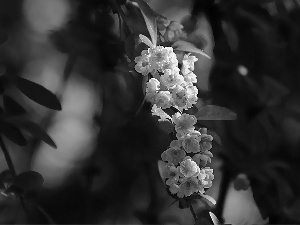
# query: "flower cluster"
(170, 86)
(185, 172)
(186, 158)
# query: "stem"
(193, 212)
(7, 158)
(12, 170)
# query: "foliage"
(152, 109)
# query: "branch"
(7, 158)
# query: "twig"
(7, 158)
(193, 212)
(12, 170)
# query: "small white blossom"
(171, 78)
(184, 123)
(163, 99)
(188, 62)
(143, 64)
(152, 87)
(189, 168)
(190, 142)
(173, 155)
(156, 111)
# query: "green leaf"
(161, 165)
(214, 219)
(213, 112)
(28, 180)
(150, 17)
(12, 133)
(209, 198)
(185, 46)
(37, 93)
(145, 40)
(35, 130)
(11, 107)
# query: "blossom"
(152, 87)
(191, 96)
(188, 62)
(173, 31)
(156, 111)
(176, 189)
(205, 143)
(184, 123)
(179, 96)
(171, 78)
(189, 168)
(161, 56)
(163, 99)
(189, 186)
(171, 173)
(173, 155)
(143, 64)
(176, 144)
(185, 96)
(190, 142)
(190, 77)
(202, 159)
(206, 177)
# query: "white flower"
(206, 176)
(184, 123)
(156, 111)
(173, 31)
(171, 78)
(171, 173)
(153, 85)
(173, 155)
(190, 142)
(188, 62)
(189, 168)
(179, 96)
(191, 96)
(143, 64)
(163, 99)
(190, 77)
(152, 88)
(188, 187)
(162, 58)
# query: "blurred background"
(104, 170)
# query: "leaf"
(29, 180)
(11, 107)
(185, 46)
(161, 165)
(209, 198)
(213, 112)
(146, 40)
(214, 219)
(37, 93)
(12, 133)
(35, 130)
(150, 19)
